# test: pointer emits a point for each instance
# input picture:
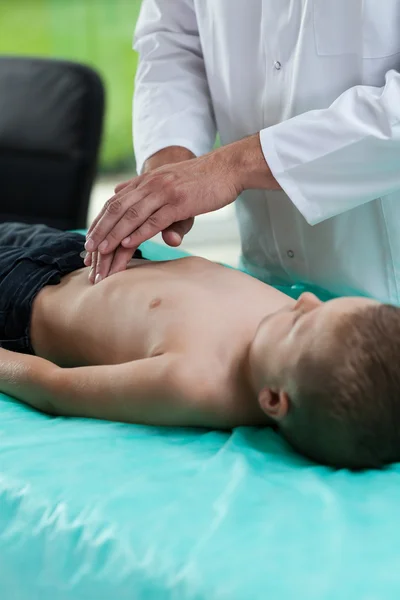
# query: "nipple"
(154, 303)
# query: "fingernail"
(89, 246)
(126, 240)
(98, 279)
(103, 246)
(91, 273)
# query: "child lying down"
(192, 343)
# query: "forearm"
(28, 379)
(245, 162)
(244, 158)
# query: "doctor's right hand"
(117, 261)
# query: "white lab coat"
(319, 79)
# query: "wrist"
(249, 165)
(167, 156)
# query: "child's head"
(329, 375)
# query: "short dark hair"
(346, 409)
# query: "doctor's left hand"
(173, 193)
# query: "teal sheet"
(103, 511)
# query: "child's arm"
(149, 391)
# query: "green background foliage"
(95, 32)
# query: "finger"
(157, 222)
(99, 217)
(121, 258)
(122, 185)
(132, 183)
(96, 220)
(133, 218)
(175, 233)
(93, 225)
(113, 210)
(172, 238)
(104, 262)
(92, 273)
(87, 261)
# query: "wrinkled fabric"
(94, 510)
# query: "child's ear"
(275, 404)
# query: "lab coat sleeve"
(172, 103)
(332, 160)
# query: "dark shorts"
(31, 257)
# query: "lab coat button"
(290, 253)
(278, 65)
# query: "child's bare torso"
(202, 311)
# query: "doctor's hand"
(173, 193)
(107, 264)
(175, 233)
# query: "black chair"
(51, 115)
